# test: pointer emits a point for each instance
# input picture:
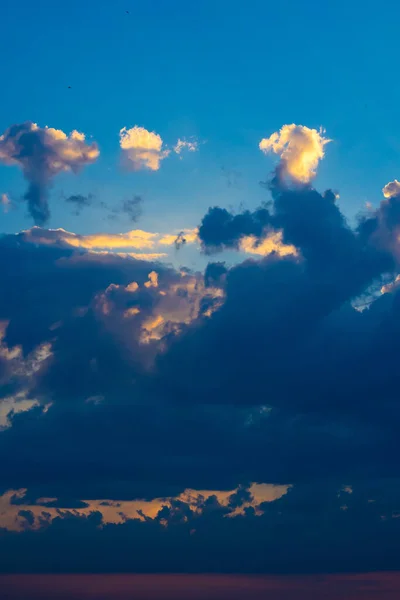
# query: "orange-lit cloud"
(23, 368)
(114, 242)
(118, 511)
(391, 287)
(131, 239)
(119, 244)
(142, 149)
(300, 149)
(272, 243)
(176, 303)
(391, 189)
(153, 280)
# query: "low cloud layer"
(42, 153)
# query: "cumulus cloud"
(391, 189)
(300, 149)
(42, 153)
(142, 149)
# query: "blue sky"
(228, 73)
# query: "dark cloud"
(79, 201)
(180, 240)
(133, 207)
(221, 229)
(314, 529)
(163, 381)
(42, 153)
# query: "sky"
(199, 317)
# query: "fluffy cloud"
(42, 153)
(300, 149)
(142, 149)
(391, 189)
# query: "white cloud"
(300, 149)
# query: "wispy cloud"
(191, 146)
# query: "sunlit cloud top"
(142, 149)
(391, 189)
(300, 149)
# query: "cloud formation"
(42, 153)
(191, 146)
(142, 149)
(79, 201)
(169, 380)
(132, 207)
(300, 149)
(391, 189)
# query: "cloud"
(79, 201)
(107, 242)
(186, 236)
(169, 380)
(271, 243)
(142, 149)
(191, 146)
(188, 538)
(221, 229)
(5, 202)
(132, 207)
(43, 153)
(136, 238)
(300, 149)
(391, 189)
